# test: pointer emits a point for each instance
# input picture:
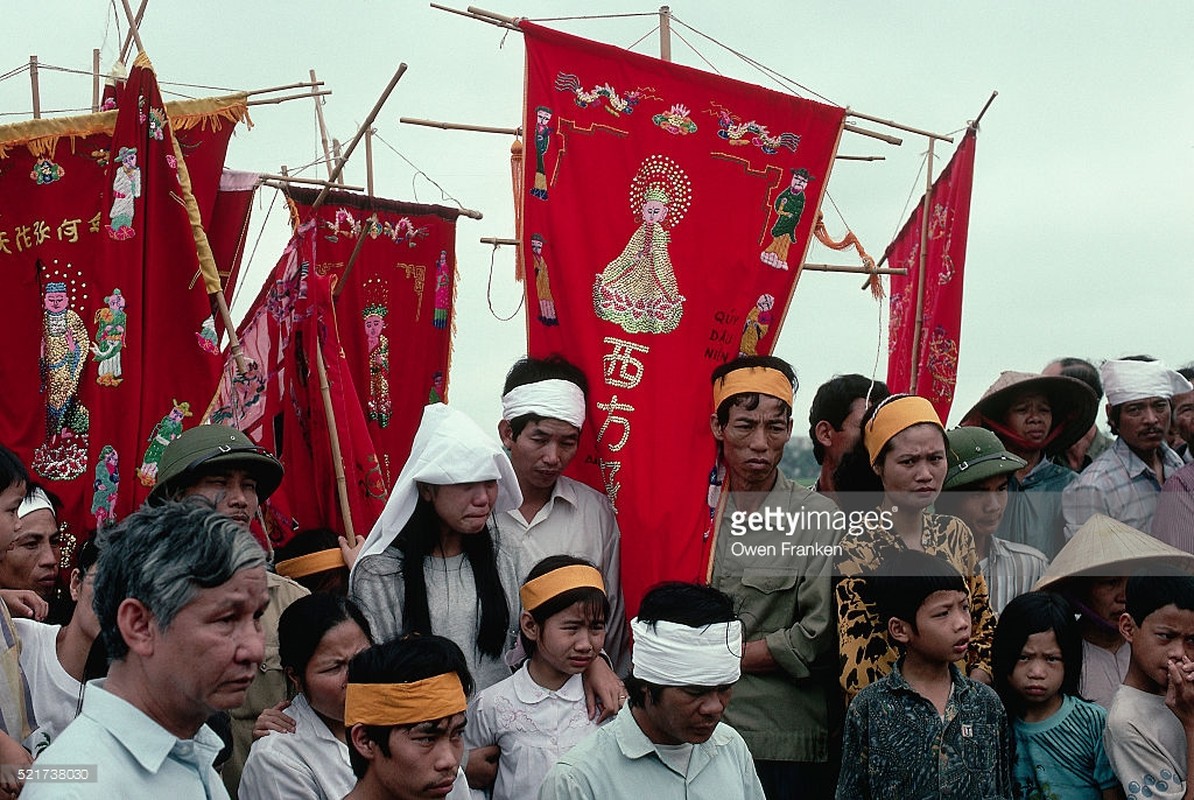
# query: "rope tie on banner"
(847, 241)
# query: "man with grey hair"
(179, 591)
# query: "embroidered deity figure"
(756, 325)
(64, 347)
(638, 289)
(126, 186)
(436, 395)
(543, 133)
(169, 429)
(547, 303)
(789, 206)
(380, 406)
(107, 480)
(443, 291)
(111, 327)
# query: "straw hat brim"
(1063, 392)
(1105, 547)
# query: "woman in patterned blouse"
(904, 443)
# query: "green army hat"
(198, 450)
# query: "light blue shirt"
(619, 760)
(130, 755)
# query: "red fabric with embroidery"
(279, 404)
(77, 219)
(723, 179)
(945, 259)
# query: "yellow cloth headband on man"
(535, 593)
(404, 703)
(751, 380)
(310, 564)
(892, 418)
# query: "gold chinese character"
(24, 242)
(608, 470)
(94, 222)
(614, 405)
(69, 230)
(4, 243)
(41, 231)
(630, 369)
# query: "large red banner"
(945, 258)
(665, 219)
(115, 350)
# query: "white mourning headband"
(553, 399)
(671, 654)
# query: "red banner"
(228, 225)
(280, 404)
(945, 258)
(665, 218)
(101, 272)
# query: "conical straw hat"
(1104, 546)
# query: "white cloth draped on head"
(553, 398)
(1128, 381)
(35, 501)
(670, 654)
(448, 448)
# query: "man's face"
(207, 657)
(1144, 423)
(1164, 637)
(537, 246)
(684, 713)
(1030, 416)
(423, 760)
(232, 490)
(799, 183)
(753, 442)
(56, 302)
(542, 117)
(10, 523)
(32, 561)
(981, 504)
(542, 452)
(1183, 416)
(463, 507)
(839, 442)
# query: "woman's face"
(326, 674)
(914, 466)
(1030, 417)
(463, 507)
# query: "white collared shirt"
(55, 693)
(309, 764)
(532, 725)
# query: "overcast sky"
(1082, 221)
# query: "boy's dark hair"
(405, 660)
(905, 579)
(532, 370)
(682, 603)
(1159, 587)
(306, 621)
(833, 400)
(594, 601)
(750, 400)
(1035, 612)
(12, 469)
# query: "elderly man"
(222, 465)
(179, 591)
(773, 552)
(1125, 481)
(669, 741)
(834, 421)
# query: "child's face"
(1164, 637)
(1038, 673)
(10, 523)
(942, 627)
(568, 641)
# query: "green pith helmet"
(197, 451)
(975, 454)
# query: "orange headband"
(404, 703)
(320, 561)
(763, 380)
(535, 593)
(894, 417)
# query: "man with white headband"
(31, 563)
(772, 552)
(1125, 481)
(669, 741)
(543, 411)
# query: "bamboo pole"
(921, 266)
(323, 128)
(337, 458)
(368, 163)
(95, 80)
(133, 23)
(898, 126)
(352, 259)
(336, 155)
(272, 179)
(385, 95)
(477, 17)
(460, 126)
(128, 38)
(35, 87)
(987, 105)
(855, 269)
(860, 158)
(271, 101)
(480, 12)
(883, 137)
(665, 33)
(496, 241)
(298, 85)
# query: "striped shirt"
(1011, 569)
(1119, 484)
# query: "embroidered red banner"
(945, 259)
(665, 219)
(279, 403)
(101, 273)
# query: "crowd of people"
(1001, 610)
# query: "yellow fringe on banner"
(850, 240)
(516, 178)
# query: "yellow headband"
(763, 380)
(320, 561)
(893, 417)
(535, 593)
(404, 703)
